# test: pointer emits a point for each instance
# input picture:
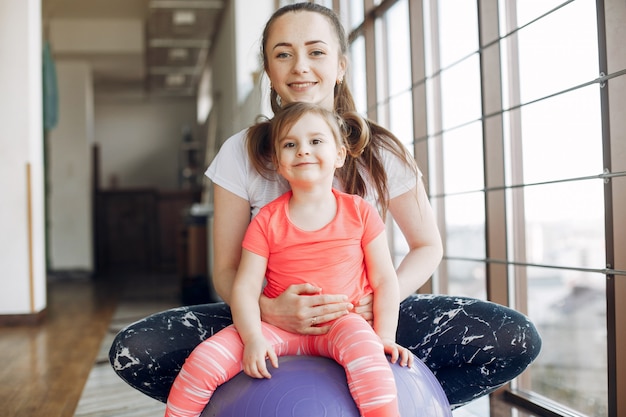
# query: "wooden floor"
(43, 367)
(60, 368)
(105, 394)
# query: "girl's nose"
(303, 150)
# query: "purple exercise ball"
(313, 386)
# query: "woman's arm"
(415, 218)
(296, 309)
(231, 217)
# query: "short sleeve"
(401, 178)
(229, 168)
(373, 224)
(255, 240)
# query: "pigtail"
(363, 158)
(259, 147)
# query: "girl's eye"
(316, 141)
(288, 145)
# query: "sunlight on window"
(562, 217)
(463, 151)
(357, 74)
(552, 60)
(460, 93)
(562, 137)
(458, 30)
(399, 83)
(559, 153)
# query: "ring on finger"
(313, 321)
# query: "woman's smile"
(302, 84)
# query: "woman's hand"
(303, 309)
(398, 352)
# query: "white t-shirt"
(231, 169)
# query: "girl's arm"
(247, 315)
(295, 308)
(386, 300)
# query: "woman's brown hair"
(365, 139)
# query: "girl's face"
(303, 58)
(308, 153)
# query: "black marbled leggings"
(472, 346)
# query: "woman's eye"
(282, 55)
(317, 53)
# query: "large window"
(560, 204)
(519, 144)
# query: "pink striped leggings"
(351, 342)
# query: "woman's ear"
(341, 71)
(341, 157)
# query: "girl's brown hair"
(291, 113)
(341, 128)
(365, 139)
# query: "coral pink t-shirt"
(330, 258)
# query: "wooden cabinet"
(171, 211)
(139, 229)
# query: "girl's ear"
(341, 157)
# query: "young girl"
(311, 234)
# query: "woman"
(473, 347)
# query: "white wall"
(70, 170)
(22, 239)
(222, 61)
(250, 19)
(237, 99)
(139, 140)
(117, 36)
(253, 92)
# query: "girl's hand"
(398, 352)
(365, 308)
(254, 355)
(303, 309)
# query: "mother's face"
(303, 58)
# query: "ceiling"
(176, 34)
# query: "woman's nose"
(300, 65)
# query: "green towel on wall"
(50, 90)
